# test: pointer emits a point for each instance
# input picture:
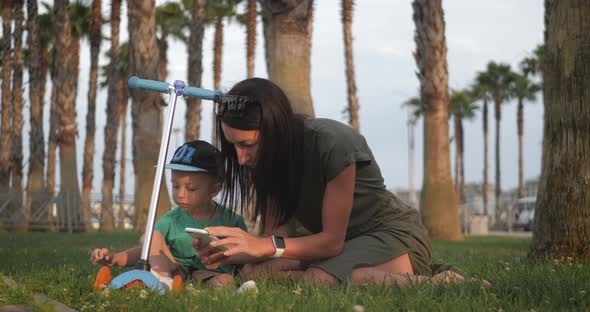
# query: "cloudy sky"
(477, 32)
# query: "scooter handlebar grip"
(146, 84)
(201, 93)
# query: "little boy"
(197, 174)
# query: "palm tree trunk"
(562, 215)
(66, 103)
(17, 116)
(163, 47)
(460, 138)
(123, 170)
(217, 60)
(456, 130)
(110, 130)
(485, 157)
(5, 131)
(147, 128)
(287, 33)
(251, 37)
(353, 105)
(438, 203)
(520, 125)
(195, 69)
(498, 186)
(87, 170)
(52, 142)
(35, 181)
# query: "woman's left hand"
(238, 242)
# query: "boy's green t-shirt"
(172, 225)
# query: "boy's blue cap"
(195, 156)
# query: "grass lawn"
(56, 264)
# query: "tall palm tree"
(147, 127)
(80, 17)
(562, 227)
(121, 74)
(17, 113)
(251, 37)
(47, 36)
(287, 33)
(110, 129)
(5, 131)
(220, 11)
(462, 108)
(87, 170)
(531, 65)
(353, 102)
(195, 67)
(522, 89)
(498, 79)
(480, 92)
(170, 21)
(438, 200)
(66, 104)
(415, 112)
(35, 178)
(123, 104)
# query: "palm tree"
(562, 214)
(110, 129)
(5, 132)
(498, 79)
(87, 170)
(438, 200)
(480, 92)
(170, 20)
(121, 74)
(195, 67)
(251, 37)
(415, 112)
(147, 127)
(531, 65)
(35, 178)
(66, 104)
(462, 108)
(17, 114)
(80, 16)
(287, 33)
(522, 89)
(353, 105)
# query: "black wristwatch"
(279, 243)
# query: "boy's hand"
(102, 256)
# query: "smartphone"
(203, 236)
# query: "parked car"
(524, 213)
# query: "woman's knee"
(319, 276)
(221, 280)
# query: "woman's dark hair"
(276, 181)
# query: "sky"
(383, 32)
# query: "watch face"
(279, 242)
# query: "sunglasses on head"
(231, 103)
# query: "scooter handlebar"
(163, 87)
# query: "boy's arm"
(128, 257)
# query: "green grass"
(57, 265)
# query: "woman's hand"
(241, 247)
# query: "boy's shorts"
(195, 274)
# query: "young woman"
(322, 173)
